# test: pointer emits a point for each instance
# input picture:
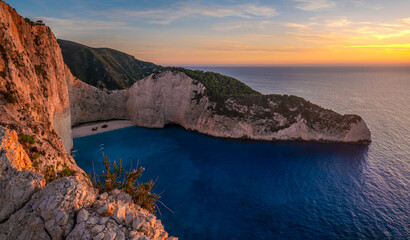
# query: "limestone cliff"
(33, 76)
(35, 135)
(89, 104)
(172, 97)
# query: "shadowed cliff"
(104, 67)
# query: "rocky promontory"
(174, 96)
(227, 108)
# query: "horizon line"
(294, 65)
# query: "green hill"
(104, 67)
(217, 84)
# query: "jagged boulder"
(17, 180)
(115, 216)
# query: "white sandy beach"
(87, 128)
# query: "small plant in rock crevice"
(50, 174)
(35, 156)
(115, 177)
(36, 164)
(67, 171)
(27, 139)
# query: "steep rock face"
(89, 104)
(35, 131)
(171, 97)
(17, 181)
(33, 75)
(154, 102)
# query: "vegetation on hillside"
(104, 67)
(50, 173)
(217, 84)
(220, 88)
(116, 177)
(28, 20)
(26, 139)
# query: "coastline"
(86, 129)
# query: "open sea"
(225, 189)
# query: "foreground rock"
(67, 208)
(115, 216)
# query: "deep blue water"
(223, 189)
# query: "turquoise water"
(223, 189)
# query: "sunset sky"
(228, 32)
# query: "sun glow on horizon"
(245, 32)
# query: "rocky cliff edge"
(35, 135)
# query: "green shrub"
(35, 156)
(116, 177)
(218, 88)
(36, 164)
(50, 174)
(28, 20)
(67, 172)
(27, 139)
(217, 84)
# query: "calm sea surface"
(222, 189)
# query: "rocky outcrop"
(115, 216)
(50, 214)
(171, 97)
(67, 208)
(35, 135)
(17, 181)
